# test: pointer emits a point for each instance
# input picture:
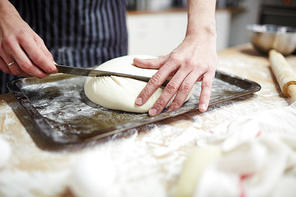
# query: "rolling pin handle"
(292, 92)
(284, 74)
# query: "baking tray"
(63, 114)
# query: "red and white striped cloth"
(258, 159)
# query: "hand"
(194, 60)
(22, 51)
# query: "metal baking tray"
(63, 114)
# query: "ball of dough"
(5, 152)
(92, 176)
(120, 93)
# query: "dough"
(120, 93)
(93, 175)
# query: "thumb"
(149, 63)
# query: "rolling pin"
(283, 73)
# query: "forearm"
(5, 7)
(8, 14)
(3, 3)
(201, 18)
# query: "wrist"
(202, 34)
(201, 20)
(8, 14)
(208, 28)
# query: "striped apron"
(78, 33)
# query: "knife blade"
(99, 73)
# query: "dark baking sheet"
(63, 114)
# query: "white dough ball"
(5, 152)
(120, 93)
(92, 176)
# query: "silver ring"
(9, 64)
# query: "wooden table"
(148, 160)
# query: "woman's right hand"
(22, 51)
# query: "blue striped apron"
(78, 33)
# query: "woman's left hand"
(195, 59)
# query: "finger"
(37, 55)
(205, 93)
(46, 52)
(183, 91)
(168, 93)
(150, 63)
(153, 84)
(16, 70)
(24, 62)
(4, 67)
(11, 66)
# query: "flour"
(149, 157)
(5, 152)
(180, 137)
(9, 119)
(93, 175)
(24, 183)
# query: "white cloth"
(259, 156)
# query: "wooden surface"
(147, 160)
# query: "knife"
(99, 73)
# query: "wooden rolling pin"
(283, 73)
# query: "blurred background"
(156, 27)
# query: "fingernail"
(54, 69)
(152, 112)
(139, 101)
(203, 107)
